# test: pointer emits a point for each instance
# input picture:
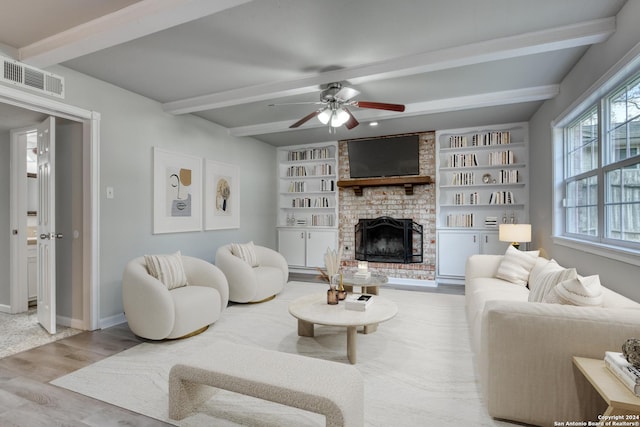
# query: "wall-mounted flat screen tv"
(381, 157)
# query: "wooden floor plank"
(28, 400)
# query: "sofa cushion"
(168, 269)
(516, 265)
(548, 278)
(246, 252)
(582, 291)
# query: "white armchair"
(155, 312)
(249, 284)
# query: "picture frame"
(177, 192)
(222, 196)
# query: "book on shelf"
(628, 374)
(358, 302)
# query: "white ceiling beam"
(137, 20)
(490, 99)
(582, 34)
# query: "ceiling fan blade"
(306, 118)
(379, 106)
(352, 122)
(346, 93)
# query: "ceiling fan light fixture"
(339, 118)
(325, 116)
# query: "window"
(601, 179)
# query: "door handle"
(51, 236)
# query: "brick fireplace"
(391, 201)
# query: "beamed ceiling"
(453, 63)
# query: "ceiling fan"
(334, 100)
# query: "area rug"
(417, 367)
(21, 332)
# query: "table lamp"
(515, 233)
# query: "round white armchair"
(156, 312)
(255, 281)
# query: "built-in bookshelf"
(307, 176)
(482, 181)
(482, 174)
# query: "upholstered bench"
(324, 387)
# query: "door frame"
(91, 202)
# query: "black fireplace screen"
(387, 239)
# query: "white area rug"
(418, 366)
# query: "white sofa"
(524, 349)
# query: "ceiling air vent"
(25, 76)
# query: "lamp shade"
(514, 233)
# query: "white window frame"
(597, 94)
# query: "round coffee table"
(313, 309)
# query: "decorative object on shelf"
(177, 192)
(514, 233)
(631, 351)
(486, 178)
(222, 201)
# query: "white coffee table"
(313, 309)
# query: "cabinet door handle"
(486, 239)
(474, 239)
(302, 235)
(309, 235)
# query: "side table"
(620, 399)
(368, 286)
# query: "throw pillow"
(245, 252)
(538, 267)
(516, 265)
(582, 291)
(548, 279)
(168, 269)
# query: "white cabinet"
(482, 181)
(305, 247)
(455, 246)
(307, 203)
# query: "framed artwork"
(222, 196)
(177, 192)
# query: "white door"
(318, 241)
(46, 226)
(291, 244)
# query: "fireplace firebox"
(387, 239)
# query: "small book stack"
(358, 302)
(628, 374)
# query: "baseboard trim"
(70, 323)
(107, 322)
(400, 281)
(5, 308)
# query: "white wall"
(130, 126)
(617, 275)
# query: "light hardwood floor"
(28, 400)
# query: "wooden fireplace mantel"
(406, 181)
